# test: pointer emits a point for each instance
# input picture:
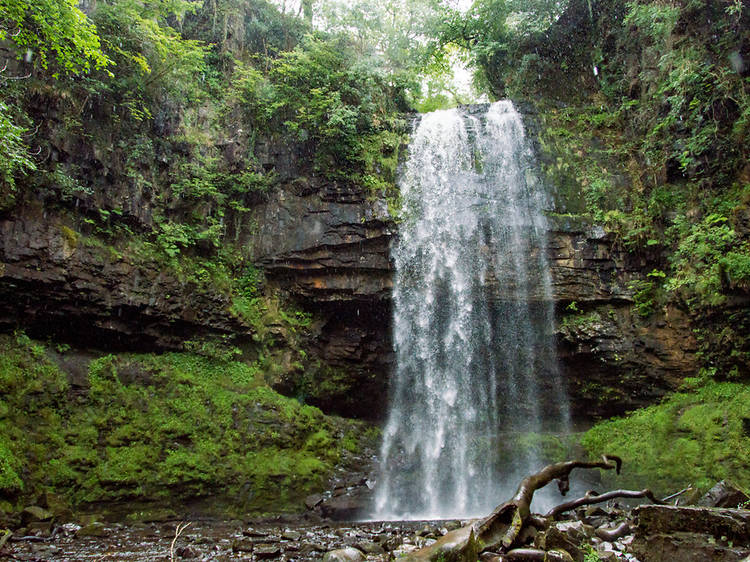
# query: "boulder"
(724, 494)
(342, 508)
(94, 529)
(267, 551)
(691, 534)
(312, 501)
(34, 513)
(344, 555)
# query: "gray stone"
(291, 535)
(243, 545)
(724, 494)
(369, 547)
(344, 555)
(94, 529)
(34, 513)
(266, 551)
(690, 534)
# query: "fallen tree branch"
(611, 535)
(591, 497)
(177, 532)
(672, 496)
(501, 529)
(504, 524)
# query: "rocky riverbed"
(282, 539)
(648, 533)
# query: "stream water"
(476, 376)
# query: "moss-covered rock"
(164, 428)
(695, 437)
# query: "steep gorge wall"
(326, 246)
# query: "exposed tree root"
(536, 555)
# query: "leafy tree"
(392, 35)
(327, 96)
(14, 157)
(44, 31)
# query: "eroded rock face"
(614, 359)
(325, 243)
(327, 246)
(691, 533)
(53, 283)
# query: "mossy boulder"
(159, 429)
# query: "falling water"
(476, 370)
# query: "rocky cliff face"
(326, 246)
(614, 359)
(55, 283)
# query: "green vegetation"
(163, 427)
(156, 91)
(643, 112)
(150, 129)
(52, 32)
(694, 437)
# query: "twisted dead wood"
(591, 497)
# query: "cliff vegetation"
(643, 110)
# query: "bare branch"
(591, 497)
(177, 532)
(672, 496)
(611, 535)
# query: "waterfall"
(476, 369)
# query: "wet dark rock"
(243, 545)
(343, 508)
(251, 532)
(41, 528)
(733, 524)
(558, 537)
(724, 494)
(369, 547)
(691, 534)
(187, 552)
(686, 547)
(94, 529)
(393, 542)
(56, 285)
(312, 547)
(291, 535)
(313, 500)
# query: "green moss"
(696, 437)
(546, 447)
(9, 467)
(70, 236)
(159, 427)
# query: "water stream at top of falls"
(476, 371)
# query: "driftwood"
(536, 555)
(500, 531)
(611, 535)
(592, 497)
(502, 527)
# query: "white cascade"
(476, 369)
